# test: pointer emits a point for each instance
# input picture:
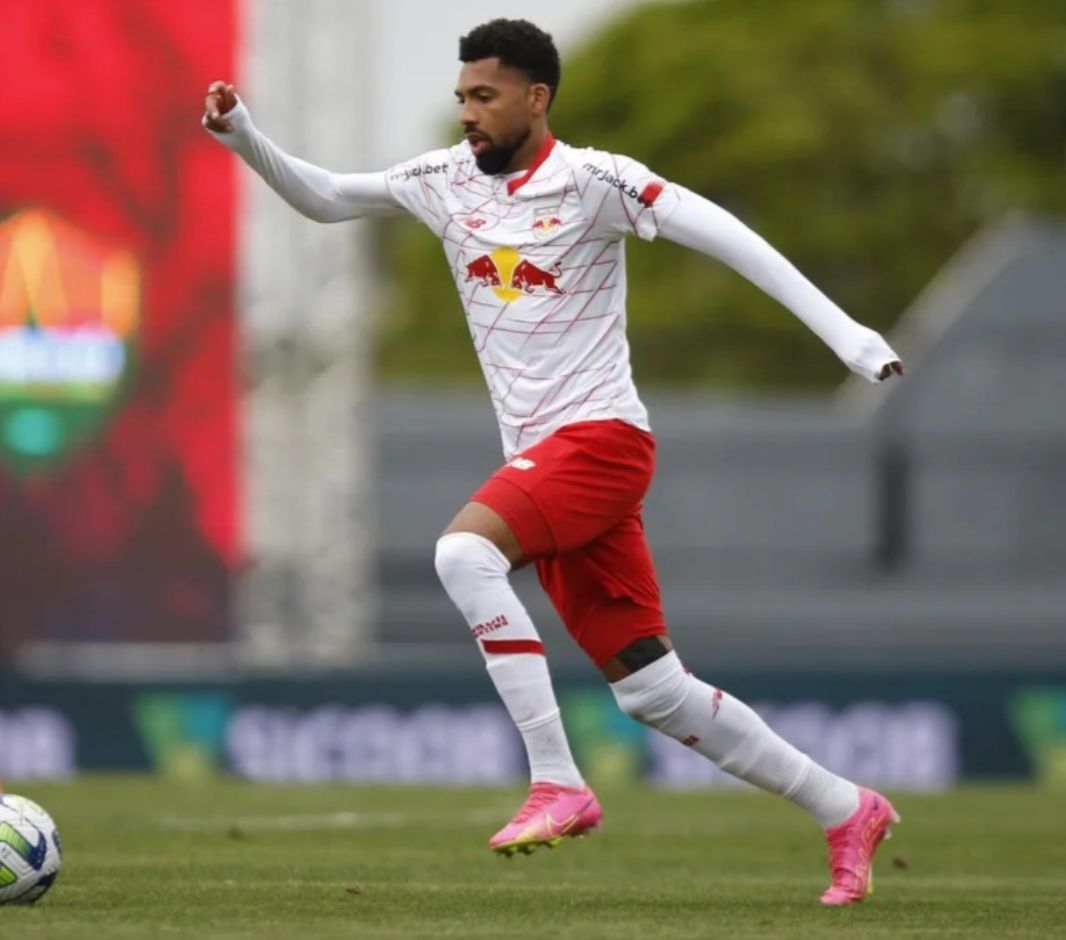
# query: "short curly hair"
(517, 44)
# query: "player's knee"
(464, 561)
(653, 694)
(452, 561)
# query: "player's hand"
(220, 100)
(893, 368)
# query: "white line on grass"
(310, 822)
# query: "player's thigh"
(485, 521)
(607, 593)
(566, 491)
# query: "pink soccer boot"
(549, 813)
(852, 845)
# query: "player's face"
(497, 107)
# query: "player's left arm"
(698, 223)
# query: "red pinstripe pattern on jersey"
(550, 355)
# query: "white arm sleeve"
(311, 190)
(700, 224)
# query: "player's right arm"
(312, 190)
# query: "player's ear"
(539, 98)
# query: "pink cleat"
(549, 813)
(852, 845)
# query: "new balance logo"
(691, 740)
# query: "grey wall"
(917, 525)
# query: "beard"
(498, 156)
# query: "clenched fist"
(893, 367)
(220, 100)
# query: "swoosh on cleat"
(561, 827)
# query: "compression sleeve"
(311, 190)
(700, 224)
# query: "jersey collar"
(519, 181)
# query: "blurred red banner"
(118, 424)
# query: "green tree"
(866, 139)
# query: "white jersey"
(539, 263)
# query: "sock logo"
(480, 629)
(717, 703)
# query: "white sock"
(474, 573)
(727, 731)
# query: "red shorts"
(573, 502)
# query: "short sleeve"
(621, 195)
(420, 185)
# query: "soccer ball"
(30, 850)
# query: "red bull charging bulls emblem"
(545, 223)
(511, 276)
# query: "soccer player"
(533, 231)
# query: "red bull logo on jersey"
(545, 222)
(511, 276)
(69, 314)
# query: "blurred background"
(229, 437)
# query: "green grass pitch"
(231, 860)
